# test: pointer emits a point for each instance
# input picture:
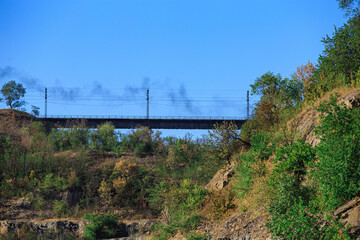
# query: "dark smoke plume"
(178, 97)
(181, 96)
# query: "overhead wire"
(160, 97)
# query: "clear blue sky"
(197, 57)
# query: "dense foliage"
(103, 169)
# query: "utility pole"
(147, 104)
(248, 104)
(45, 102)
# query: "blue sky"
(197, 57)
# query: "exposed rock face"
(238, 226)
(72, 226)
(141, 227)
(305, 125)
(75, 227)
(351, 100)
(307, 121)
(221, 179)
(349, 215)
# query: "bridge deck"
(128, 123)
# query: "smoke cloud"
(179, 97)
(9, 73)
(6, 72)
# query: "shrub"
(261, 145)
(104, 138)
(285, 192)
(179, 203)
(102, 226)
(297, 222)
(221, 204)
(142, 141)
(61, 208)
(71, 138)
(305, 221)
(163, 231)
(337, 170)
(192, 222)
(294, 159)
(184, 152)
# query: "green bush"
(179, 204)
(285, 191)
(142, 141)
(102, 226)
(294, 159)
(221, 204)
(50, 181)
(251, 164)
(163, 231)
(61, 208)
(337, 170)
(192, 222)
(306, 221)
(297, 221)
(70, 138)
(261, 145)
(104, 138)
(184, 152)
(244, 174)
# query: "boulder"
(221, 179)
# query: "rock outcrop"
(74, 227)
(238, 226)
(221, 179)
(307, 120)
(133, 230)
(349, 215)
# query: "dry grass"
(342, 91)
(257, 199)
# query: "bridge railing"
(140, 117)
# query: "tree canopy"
(342, 51)
(282, 92)
(349, 6)
(12, 93)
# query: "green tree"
(282, 92)
(224, 140)
(12, 93)
(342, 52)
(278, 95)
(349, 6)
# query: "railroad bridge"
(127, 122)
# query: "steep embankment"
(252, 226)
(12, 120)
(308, 119)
